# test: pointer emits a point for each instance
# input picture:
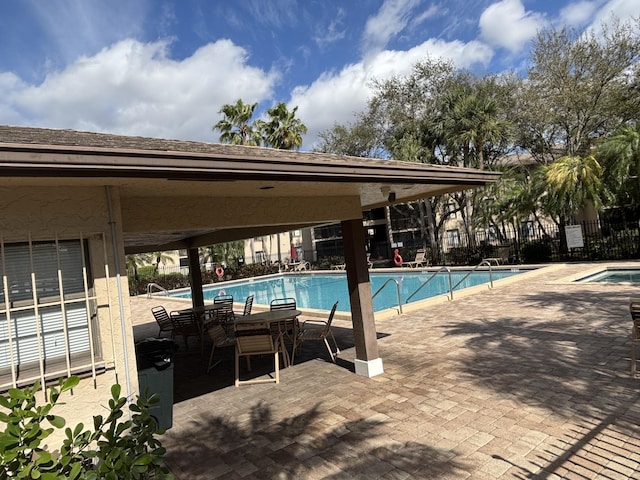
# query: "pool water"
(321, 291)
(614, 276)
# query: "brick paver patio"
(526, 381)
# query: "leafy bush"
(115, 449)
(325, 263)
(256, 270)
(537, 251)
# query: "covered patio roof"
(240, 192)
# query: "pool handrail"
(483, 262)
(397, 289)
(151, 286)
(442, 269)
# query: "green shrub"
(114, 449)
(537, 251)
(325, 263)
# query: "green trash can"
(154, 357)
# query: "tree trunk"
(431, 227)
(468, 207)
(387, 214)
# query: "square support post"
(195, 277)
(367, 362)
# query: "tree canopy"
(576, 110)
(282, 130)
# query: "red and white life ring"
(220, 272)
(397, 259)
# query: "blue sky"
(164, 68)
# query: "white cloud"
(391, 19)
(429, 13)
(335, 98)
(135, 88)
(10, 85)
(333, 32)
(80, 27)
(506, 24)
(578, 14)
(624, 10)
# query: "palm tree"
(620, 154)
(133, 262)
(235, 126)
(222, 252)
(283, 130)
(161, 257)
(572, 182)
(470, 121)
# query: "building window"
(46, 310)
(451, 210)
(526, 229)
(493, 234)
(453, 238)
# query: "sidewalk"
(525, 381)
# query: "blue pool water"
(320, 291)
(613, 275)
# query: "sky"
(165, 68)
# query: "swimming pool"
(614, 275)
(321, 290)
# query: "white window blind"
(41, 333)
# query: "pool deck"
(529, 380)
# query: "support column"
(197, 297)
(367, 362)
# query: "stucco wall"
(74, 213)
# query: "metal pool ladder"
(397, 290)
(151, 286)
(451, 286)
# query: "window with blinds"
(45, 311)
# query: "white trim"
(369, 368)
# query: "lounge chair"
(317, 330)
(420, 260)
(504, 256)
(300, 266)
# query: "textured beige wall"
(145, 214)
(70, 213)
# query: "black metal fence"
(601, 240)
(534, 244)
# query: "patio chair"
(163, 320)
(186, 324)
(634, 308)
(288, 328)
(219, 339)
(224, 315)
(248, 304)
(256, 339)
(287, 303)
(317, 330)
(369, 262)
(419, 261)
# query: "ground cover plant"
(120, 445)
